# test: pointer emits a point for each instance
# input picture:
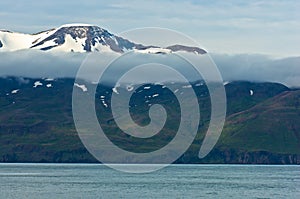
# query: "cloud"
(259, 68)
(269, 27)
(36, 63)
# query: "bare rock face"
(196, 50)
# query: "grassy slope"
(269, 126)
(36, 124)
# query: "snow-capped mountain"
(80, 38)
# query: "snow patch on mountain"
(251, 92)
(15, 91)
(74, 24)
(49, 79)
(12, 41)
(37, 83)
(15, 41)
(82, 87)
(81, 38)
(49, 85)
(153, 50)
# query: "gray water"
(176, 181)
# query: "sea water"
(175, 181)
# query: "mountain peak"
(78, 37)
(76, 25)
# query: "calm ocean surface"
(176, 181)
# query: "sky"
(229, 27)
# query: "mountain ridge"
(37, 124)
(81, 38)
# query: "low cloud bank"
(259, 68)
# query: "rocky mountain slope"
(80, 38)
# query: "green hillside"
(36, 124)
(272, 126)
